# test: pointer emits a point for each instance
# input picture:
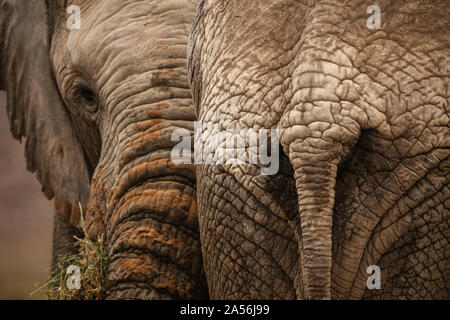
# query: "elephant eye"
(87, 98)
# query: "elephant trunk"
(152, 228)
(146, 204)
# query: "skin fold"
(363, 119)
(97, 107)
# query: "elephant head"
(363, 120)
(97, 105)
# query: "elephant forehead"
(134, 33)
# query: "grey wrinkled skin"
(97, 107)
(363, 117)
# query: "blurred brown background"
(25, 221)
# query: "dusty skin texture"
(98, 106)
(364, 124)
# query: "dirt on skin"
(25, 221)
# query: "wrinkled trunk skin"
(141, 200)
(363, 117)
(151, 218)
(151, 224)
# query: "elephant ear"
(194, 57)
(35, 108)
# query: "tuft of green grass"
(92, 260)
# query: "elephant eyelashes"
(87, 98)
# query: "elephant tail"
(315, 162)
(315, 170)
